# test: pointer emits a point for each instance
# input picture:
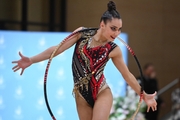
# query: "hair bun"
(111, 6)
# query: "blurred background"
(152, 26)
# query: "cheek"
(108, 33)
(119, 32)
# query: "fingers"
(15, 67)
(14, 61)
(22, 71)
(155, 93)
(18, 60)
(154, 108)
(21, 54)
(148, 109)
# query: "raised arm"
(118, 61)
(25, 62)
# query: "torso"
(88, 66)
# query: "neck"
(99, 37)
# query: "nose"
(117, 33)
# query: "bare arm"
(117, 59)
(46, 54)
(25, 62)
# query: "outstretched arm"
(46, 54)
(118, 61)
(25, 62)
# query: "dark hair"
(147, 65)
(110, 13)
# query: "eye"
(120, 29)
(113, 28)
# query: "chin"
(111, 39)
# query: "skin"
(107, 32)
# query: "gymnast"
(93, 49)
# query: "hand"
(23, 63)
(150, 101)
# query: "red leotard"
(88, 66)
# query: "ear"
(102, 24)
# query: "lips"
(112, 37)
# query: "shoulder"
(85, 32)
(77, 31)
(116, 52)
(113, 45)
(88, 32)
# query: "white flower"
(126, 106)
(113, 118)
(121, 117)
(125, 112)
(119, 110)
(139, 116)
(114, 102)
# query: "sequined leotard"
(88, 66)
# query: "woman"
(93, 48)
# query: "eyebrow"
(116, 27)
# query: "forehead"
(115, 22)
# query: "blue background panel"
(22, 97)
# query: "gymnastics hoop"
(48, 65)
(141, 74)
(53, 54)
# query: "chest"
(94, 55)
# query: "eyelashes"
(114, 29)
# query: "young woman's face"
(111, 29)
